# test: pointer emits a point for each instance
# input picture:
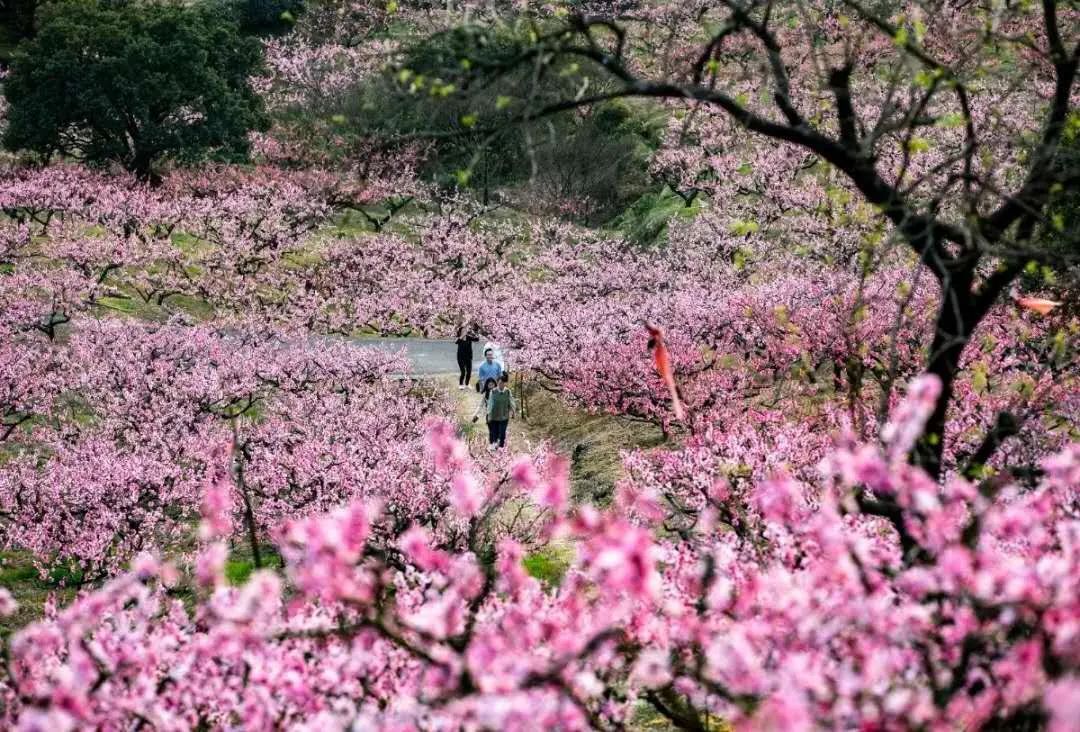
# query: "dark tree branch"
(911, 549)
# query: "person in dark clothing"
(500, 407)
(464, 341)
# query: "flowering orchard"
(804, 609)
(778, 565)
(858, 339)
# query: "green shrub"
(646, 220)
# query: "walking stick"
(521, 396)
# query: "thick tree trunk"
(142, 165)
(945, 365)
(249, 512)
(960, 313)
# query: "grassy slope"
(593, 442)
(19, 575)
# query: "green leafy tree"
(440, 89)
(134, 83)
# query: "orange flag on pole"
(1037, 304)
(662, 360)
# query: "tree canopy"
(134, 83)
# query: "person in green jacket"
(500, 406)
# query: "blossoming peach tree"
(949, 122)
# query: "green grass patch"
(199, 309)
(20, 576)
(237, 571)
(355, 222)
(65, 575)
(350, 224)
(189, 243)
(593, 442)
(18, 567)
(124, 305)
(241, 564)
(467, 428)
(549, 564)
(132, 307)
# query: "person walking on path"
(489, 369)
(464, 341)
(500, 408)
(482, 407)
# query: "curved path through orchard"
(427, 357)
(437, 359)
